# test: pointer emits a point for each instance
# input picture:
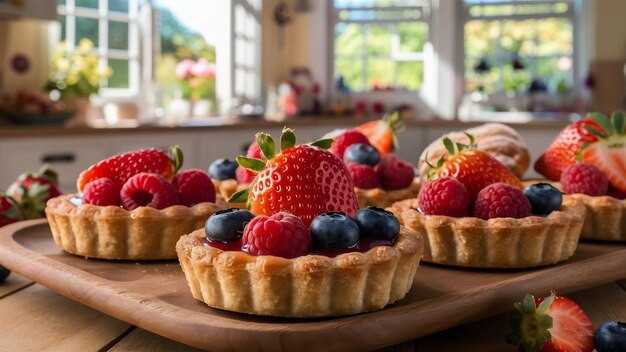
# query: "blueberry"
(376, 222)
(223, 169)
(361, 154)
(544, 198)
(334, 230)
(227, 225)
(610, 337)
(4, 273)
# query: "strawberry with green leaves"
(551, 324)
(9, 210)
(608, 151)
(382, 134)
(305, 180)
(121, 167)
(32, 190)
(475, 169)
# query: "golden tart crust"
(605, 219)
(111, 232)
(381, 198)
(307, 286)
(496, 243)
(224, 189)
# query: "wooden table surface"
(34, 318)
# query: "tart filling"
(498, 242)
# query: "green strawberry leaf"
(176, 158)
(46, 172)
(287, 139)
(618, 121)
(596, 131)
(603, 121)
(266, 144)
(449, 145)
(12, 213)
(251, 163)
(323, 143)
(239, 197)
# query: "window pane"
(118, 35)
(412, 36)
(93, 4)
(118, 5)
(517, 34)
(348, 39)
(379, 40)
(381, 3)
(480, 37)
(87, 28)
(352, 72)
(378, 14)
(61, 2)
(240, 51)
(484, 81)
(554, 36)
(63, 21)
(380, 72)
(515, 80)
(119, 78)
(411, 74)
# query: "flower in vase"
(203, 68)
(184, 69)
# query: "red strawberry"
(474, 168)
(121, 167)
(346, 139)
(9, 210)
(608, 153)
(193, 186)
(563, 151)
(304, 180)
(382, 133)
(102, 191)
(149, 190)
(32, 190)
(282, 234)
(553, 323)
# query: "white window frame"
(251, 39)
(71, 12)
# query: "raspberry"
(394, 173)
(282, 234)
(254, 151)
(150, 190)
(363, 176)
(584, 178)
(501, 200)
(193, 186)
(244, 175)
(102, 191)
(444, 196)
(346, 139)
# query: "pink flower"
(203, 68)
(184, 68)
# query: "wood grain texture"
(13, 283)
(155, 297)
(37, 319)
(140, 340)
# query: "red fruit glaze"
(394, 173)
(584, 178)
(346, 139)
(254, 151)
(121, 167)
(150, 190)
(571, 331)
(282, 234)
(305, 181)
(444, 196)
(193, 186)
(102, 191)
(363, 176)
(244, 175)
(501, 200)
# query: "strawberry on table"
(608, 151)
(32, 190)
(551, 324)
(382, 133)
(9, 210)
(304, 180)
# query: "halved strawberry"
(475, 169)
(382, 133)
(552, 323)
(608, 152)
(121, 167)
(305, 180)
(563, 151)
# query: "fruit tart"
(304, 249)
(229, 178)
(475, 214)
(129, 209)
(380, 177)
(598, 178)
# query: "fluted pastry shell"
(605, 219)
(111, 232)
(382, 198)
(224, 189)
(307, 286)
(496, 243)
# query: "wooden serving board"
(155, 296)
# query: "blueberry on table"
(544, 198)
(223, 169)
(610, 337)
(376, 222)
(334, 230)
(361, 154)
(4, 273)
(227, 225)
